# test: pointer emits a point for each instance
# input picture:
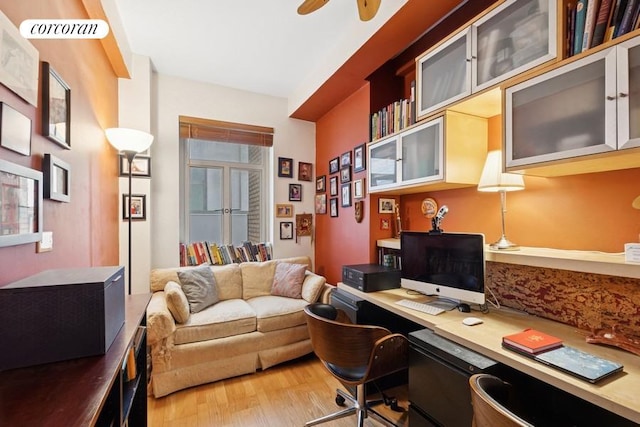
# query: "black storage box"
(59, 315)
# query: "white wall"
(172, 97)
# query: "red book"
(532, 341)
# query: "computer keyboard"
(425, 308)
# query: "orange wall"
(85, 231)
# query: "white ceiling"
(262, 46)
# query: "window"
(225, 181)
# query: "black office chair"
(355, 355)
(490, 400)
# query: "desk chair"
(489, 396)
(355, 355)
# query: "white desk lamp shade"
(494, 180)
(124, 139)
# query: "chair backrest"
(489, 396)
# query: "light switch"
(46, 243)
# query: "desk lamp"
(130, 142)
(496, 181)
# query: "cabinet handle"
(610, 98)
(623, 95)
(399, 160)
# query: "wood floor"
(287, 395)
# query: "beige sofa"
(247, 329)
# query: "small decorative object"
(334, 165)
(359, 210)
(295, 192)
(345, 159)
(285, 167)
(19, 65)
(140, 166)
(284, 210)
(286, 230)
(385, 224)
(15, 130)
(359, 159)
(398, 220)
(358, 189)
(333, 186)
(429, 207)
(321, 184)
(138, 207)
(304, 225)
(333, 207)
(57, 178)
(305, 171)
(321, 203)
(616, 339)
(21, 202)
(345, 174)
(56, 107)
(346, 195)
(386, 205)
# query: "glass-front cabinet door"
(628, 93)
(383, 164)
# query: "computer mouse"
(464, 307)
(470, 321)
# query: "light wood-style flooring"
(287, 395)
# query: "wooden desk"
(619, 394)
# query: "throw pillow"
(287, 281)
(177, 302)
(199, 286)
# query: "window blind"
(220, 131)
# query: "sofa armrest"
(312, 286)
(160, 322)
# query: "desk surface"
(619, 394)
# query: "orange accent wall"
(85, 231)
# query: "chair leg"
(340, 414)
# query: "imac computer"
(450, 266)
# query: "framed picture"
(284, 210)
(334, 165)
(140, 166)
(286, 230)
(359, 158)
(385, 224)
(15, 130)
(321, 184)
(285, 167)
(56, 107)
(358, 189)
(138, 207)
(304, 225)
(21, 202)
(333, 186)
(57, 178)
(295, 192)
(345, 159)
(346, 195)
(386, 205)
(345, 174)
(305, 171)
(333, 207)
(321, 203)
(20, 62)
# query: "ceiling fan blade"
(368, 8)
(309, 6)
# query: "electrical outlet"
(46, 243)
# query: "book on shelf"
(589, 23)
(616, 19)
(531, 341)
(602, 21)
(197, 253)
(628, 18)
(581, 14)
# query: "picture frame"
(333, 186)
(321, 203)
(345, 193)
(141, 166)
(333, 207)
(334, 165)
(285, 167)
(386, 205)
(57, 178)
(345, 159)
(305, 171)
(345, 174)
(321, 184)
(19, 72)
(295, 192)
(21, 200)
(286, 230)
(138, 207)
(56, 107)
(304, 225)
(385, 224)
(359, 158)
(284, 210)
(358, 189)
(15, 130)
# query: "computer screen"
(447, 265)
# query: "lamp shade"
(124, 139)
(494, 180)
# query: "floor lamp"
(129, 142)
(496, 181)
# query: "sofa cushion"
(229, 281)
(177, 302)
(257, 278)
(312, 286)
(199, 287)
(274, 312)
(287, 280)
(224, 319)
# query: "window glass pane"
(246, 207)
(225, 152)
(205, 189)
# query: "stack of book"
(394, 117)
(197, 253)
